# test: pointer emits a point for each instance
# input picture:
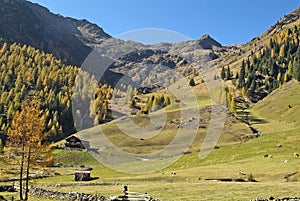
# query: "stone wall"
(71, 196)
(278, 199)
(7, 188)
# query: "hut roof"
(83, 171)
(78, 137)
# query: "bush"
(192, 82)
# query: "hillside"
(267, 61)
(45, 43)
(68, 39)
(140, 115)
(235, 58)
(280, 110)
(26, 71)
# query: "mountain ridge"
(267, 61)
(68, 39)
(72, 40)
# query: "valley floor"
(269, 159)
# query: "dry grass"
(236, 156)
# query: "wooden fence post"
(126, 191)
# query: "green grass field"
(237, 157)
(190, 183)
(280, 110)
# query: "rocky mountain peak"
(207, 42)
(92, 34)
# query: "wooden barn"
(82, 175)
(77, 142)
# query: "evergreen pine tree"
(192, 82)
(223, 73)
(237, 75)
(228, 74)
(242, 74)
(296, 65)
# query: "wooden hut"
(77, 142)
(82, 175)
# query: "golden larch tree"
(24, 147)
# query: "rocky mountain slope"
(141, 63)
(72, 40)
(68, 39)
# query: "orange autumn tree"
(24, 147)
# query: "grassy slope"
(233, 132)
(228, 161)
(281, 109)
(189, 181)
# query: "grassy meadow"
(238, 155)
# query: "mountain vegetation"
(26, 71)
(41, 90)
(264, 63)
(25, 148)
(275, 64)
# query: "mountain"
(72, 40)
(138, 61)
(268, 60)
(206, 42)
(68, 39)
(266, 63)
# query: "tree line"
(25, 71)
(155, 103)
(273, 65)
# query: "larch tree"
(167, 101)
(232, 107)
(24, 147)
(1, 146)
(244, 92)
(154, 105)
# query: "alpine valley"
(56, 112)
